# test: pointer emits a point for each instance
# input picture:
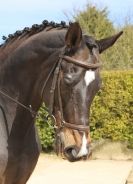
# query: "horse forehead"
(82, 53)
(89, 77)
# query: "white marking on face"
(89, 77)
(83, 151)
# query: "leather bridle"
(56, 82)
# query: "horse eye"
(91, 46)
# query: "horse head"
(77, 84)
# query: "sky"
(17, 14)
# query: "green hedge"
(45, 129)
(111, 111)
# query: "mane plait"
(33, 30)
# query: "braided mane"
(35, 28)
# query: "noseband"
(56, 82)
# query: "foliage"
(112, 109)
(95, 22)
(120, 56)
(111, 112)
(45, 129)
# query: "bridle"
(56, 82)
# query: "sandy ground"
(51, 169)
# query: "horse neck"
(43, 85)
(7, 48)
(24, 71)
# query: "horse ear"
(105, 43)
(73, 36)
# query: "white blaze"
(89, 77)
(83, 151)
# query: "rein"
(19, 103)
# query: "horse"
(53, 63)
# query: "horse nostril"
(71, 152)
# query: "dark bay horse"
(56, 64)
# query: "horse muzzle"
(71, 149)
(72, 153)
